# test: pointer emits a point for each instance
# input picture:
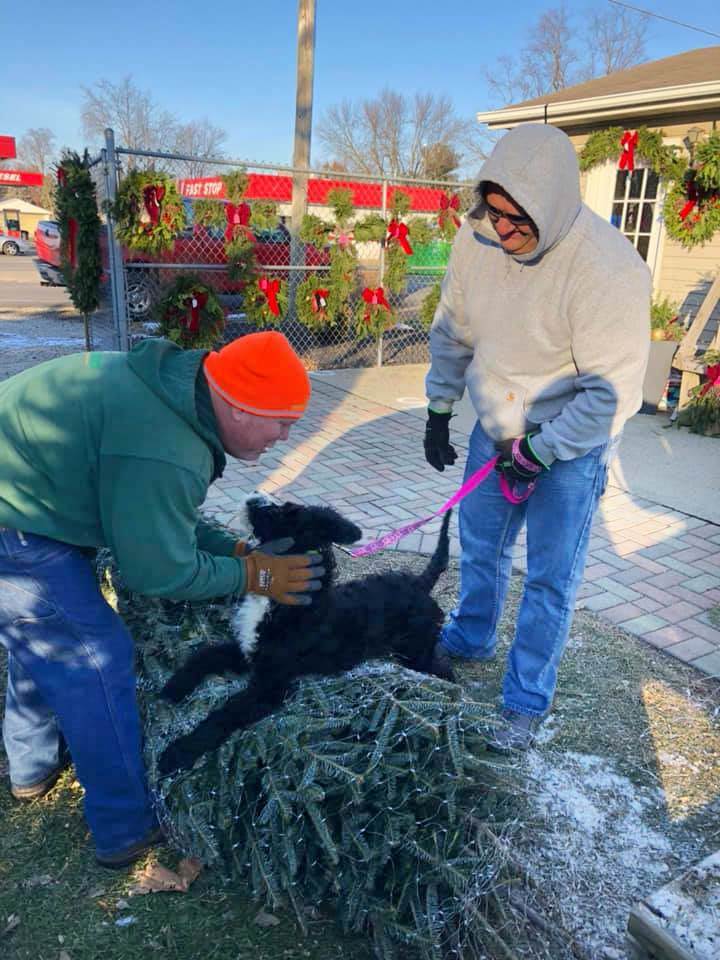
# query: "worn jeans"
(70, 669)
(558, 515)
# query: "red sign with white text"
(7, 148)
(20, 178)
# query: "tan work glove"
(285, 579)
(281, 545)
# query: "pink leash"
(473, 481)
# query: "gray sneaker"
(515, 732)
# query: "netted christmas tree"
(369, 793)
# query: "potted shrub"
(702, 413)
(666, 331)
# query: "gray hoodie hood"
(537, 166)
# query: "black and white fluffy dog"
(383, 615)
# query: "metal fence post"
(117, 280)
(381, 265)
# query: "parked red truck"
(203, 247)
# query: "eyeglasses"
(514, 218)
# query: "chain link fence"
(297, 230)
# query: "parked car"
(13, 246)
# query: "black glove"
(517, 459)
(439, 452)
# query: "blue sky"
(234, 61)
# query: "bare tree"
(139, 123)
(393, 135)
(559, 53)
(201, 140)
(615, 40)
(36, 149)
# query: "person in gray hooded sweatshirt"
(544, 316)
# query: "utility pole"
(303, 132)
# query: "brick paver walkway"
(652, 571)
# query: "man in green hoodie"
(544, 317)
(118, 450)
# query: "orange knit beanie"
(261, 374)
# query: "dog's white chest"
(246, 622)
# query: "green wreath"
(373, 319)
(691, 222)
(261, 300)
(312, 302)
(148, 211)
(692, 206)
(190, 314)
(604, 145)
(77, 214)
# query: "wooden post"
(303, 134)
(685, 358)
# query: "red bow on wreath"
(152, 198)
(193, 305)
(61, 177)
(713, 381)
(448, 206)
(628, 142)
(270, 288)
(374, 298)
(693, 196)
(237, 216)
(399, 231)
(319, 299)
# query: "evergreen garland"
(315, 230)
(371, 228)
(264, 215)
(209, 213)
(430, 305)
(370, 793)
(77, 214)
(265, 301)
(236, 184)
(604, 145)
(148, 211)
(241, 258)
(190, 314)
(702, 413)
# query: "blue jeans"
(70, 669)
(559, 516)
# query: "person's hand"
(286, 580)
(517, 459)
(439, 452)
(274, 547)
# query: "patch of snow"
(595, 853)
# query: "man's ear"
(237, 415)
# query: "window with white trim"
(635, 206)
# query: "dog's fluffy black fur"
(382, 615)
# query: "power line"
(658, 16)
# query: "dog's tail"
(439, 560)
